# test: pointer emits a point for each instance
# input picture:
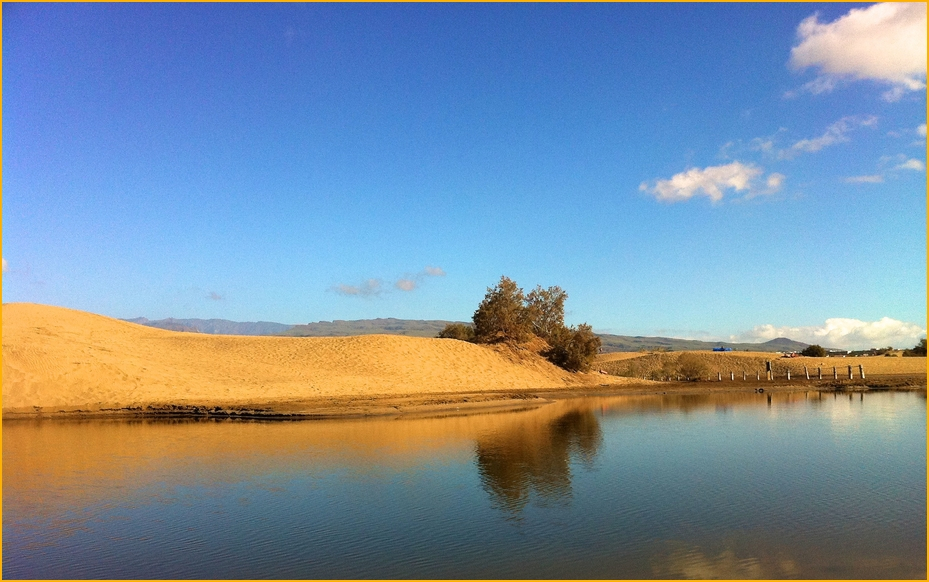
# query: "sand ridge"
(59, 358)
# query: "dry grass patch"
(658, 365)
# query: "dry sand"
(57, 359)
(62, 361)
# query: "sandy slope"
(57, 358)
(646, 364)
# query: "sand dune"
(56, 358)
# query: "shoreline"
(448, 403)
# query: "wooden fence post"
(861, 371)
(835, 373)
(719, 376)
(820, 372)
(788, 373)
(732, 375)
(806, 371)
(849, 372)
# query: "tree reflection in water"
(536, 457)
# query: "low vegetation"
(458, 331)
(918, 352)
(705, 364)
(691, 367)
(814, 351)
(508, 315)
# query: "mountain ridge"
(431, 327)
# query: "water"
(800, 485)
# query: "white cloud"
(375, 287)
(6, 266)
(835, 133)
(405, 284)
(842, 333)
(370, 288)
(884, 42)
(410, 283)
(712, 182)
(921, 130)
(872, 179)
(775, 181)
(911, 164)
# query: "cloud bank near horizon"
(842, 333)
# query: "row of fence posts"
(806, 372)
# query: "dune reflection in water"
(678, 486)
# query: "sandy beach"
(58, 361)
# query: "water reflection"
(536, 457)
(747, 485)
(686, 562)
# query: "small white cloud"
(884, 42)
(712, 182)
(6, 266)
(872, 179)
(370, 288)
(775, 181)
(375, 287)
(842, 333)
(405, 284)
(835, 133)
(921, 130)
(911, 164)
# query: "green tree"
(545, 311)
(502, 315)
(814, 351)
(458, 331)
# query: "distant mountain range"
(430, 328)
(390, 325)
(625, 343)
(216, 326)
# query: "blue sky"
(724, 171)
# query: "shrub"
(574, 348)
(502, 315)
(508, 315)
(545, 311)
(691, 367)
(815, 351)
(458, 331)
(918, 351)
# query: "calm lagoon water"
(799, 485)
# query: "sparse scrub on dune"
(508, 315)
(574, 348)
(458, 331)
